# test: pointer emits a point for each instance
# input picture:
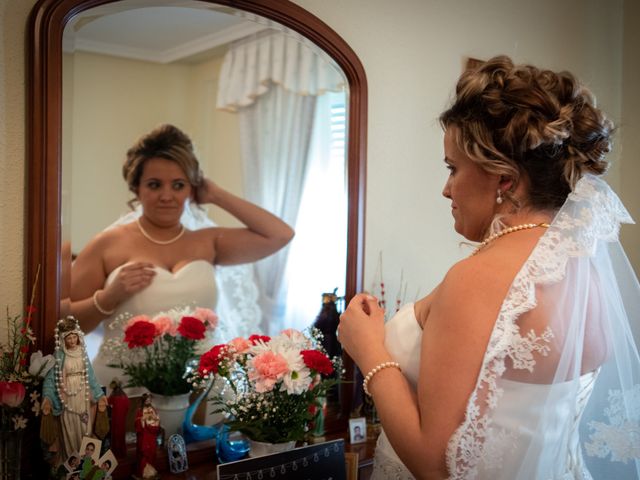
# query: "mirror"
(127, 69)
(46, 142)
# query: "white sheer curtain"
(271, 80)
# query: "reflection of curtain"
(322, 215)
(275, 136)
(252, 65)
(272, 80)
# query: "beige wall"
(412, 52)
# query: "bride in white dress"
(521, 364)
(155, 263)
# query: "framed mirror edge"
(45, 28)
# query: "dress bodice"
(515, 424)
(194, 284)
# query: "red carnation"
(210, 361)
(192, 328)
(317, 361)
(140, 334)
(257, 338)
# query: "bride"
(155, 263)
(521, 364)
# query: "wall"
(412, 52)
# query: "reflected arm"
(264, 234)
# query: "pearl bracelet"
(98, 307)
(375, 370)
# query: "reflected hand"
(361, 328)
(131, 279)
(207, 192)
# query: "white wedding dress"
(558, 393)
(193, 285)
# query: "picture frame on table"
(357, 430)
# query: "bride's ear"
(506, 184)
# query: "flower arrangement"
(276, 383)
(154, 351)
(17, 380)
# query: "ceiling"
(161, 31)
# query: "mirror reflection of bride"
(156, 263)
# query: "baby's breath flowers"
(275, 383)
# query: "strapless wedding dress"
(514, 424)
(194, 284)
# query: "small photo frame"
(90, 448)
(107, 463)
(73, 475)
(357, 430)
(74, 462)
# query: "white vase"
(171, 410)
(260, 449)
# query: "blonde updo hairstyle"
(528, 124)
(168, 142)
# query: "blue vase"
(230, 446)
(196, 433)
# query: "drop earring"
(499, 199)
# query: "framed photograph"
(73, 475)
(357, 430)
(90, 448)
(108, 463)
(73, 463)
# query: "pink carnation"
(164, 324)
(239, 344)
(206, 316)
(266, 369)
(136, 319)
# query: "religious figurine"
(119, 403)
(147, 430)
(70, 394)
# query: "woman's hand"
(361, 330)
(207, 192)
(130, 280)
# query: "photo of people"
(73, 476)
(108, 463)
(90, 448)
(73, 462)
(358, 430)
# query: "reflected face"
(472, 191)
(164, 189)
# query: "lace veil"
(558, 394)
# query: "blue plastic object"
(196, 433)
(230, 446)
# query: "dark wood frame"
(44, 133)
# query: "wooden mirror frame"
(46, 25)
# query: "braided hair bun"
(520, 121)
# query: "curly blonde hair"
(529, 124)
(168, 142)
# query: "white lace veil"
(559, 389)
(237, 305)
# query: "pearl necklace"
(515, 228)
(160, 242)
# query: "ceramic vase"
(171, 410)
(259, 449)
